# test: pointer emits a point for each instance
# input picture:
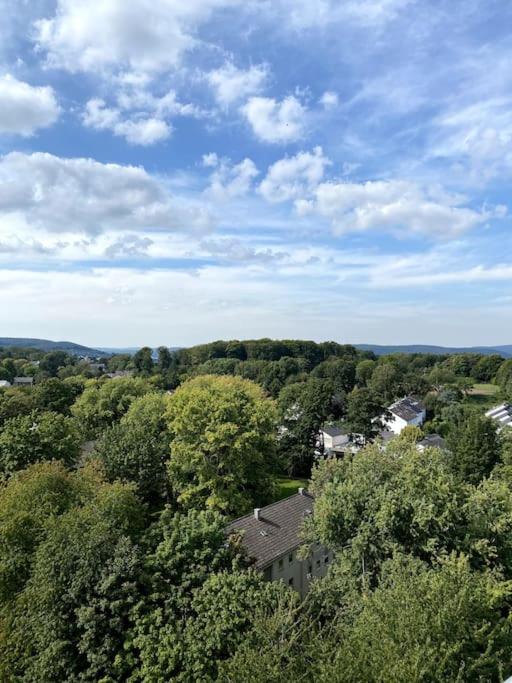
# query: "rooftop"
(432, 441)
(276, 531)
(333, 431)
(407, 408)
(502, 414)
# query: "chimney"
(257, 513)
(301, 491)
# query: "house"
(271, 538)
(23, 381)
(4, 384)
(431, 441)
(333, 438)
(407, 412)
(502, 414)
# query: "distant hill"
(47, 345)
(505, 351)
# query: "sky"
(177, 172)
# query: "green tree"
(69, 622)
(222, 443)
(27, 502)
(54, 395)
(186, 548)
(104, 402)
(420, 624)
(164, 359)
(385, 382)
(364, 371)
(376, 502)
(137, 447)
(363, 413)
(475, 447)
(37, 437)
(303, 408)
(143, 361)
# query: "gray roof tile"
(277, 531)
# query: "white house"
(333, 438)
(501, 414)
(4, 384)
(271, 537)
(407, 412)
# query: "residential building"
(271, 538)
(333, 438)
(502, 414)
(407, 412)
(23, 381)
(4, 384)
(431, 441)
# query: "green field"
(483, 395)
(287, 487)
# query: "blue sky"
(176, 172)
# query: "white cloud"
(293, 177)
(139, 35)
(303, 14)
(25, 108)
(229, 181)
(276, 122)
(231, 84)
(137, 131)
(46, 192)
(329, 100)
(396, 206)
(233, 250)
(480, 134)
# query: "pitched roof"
(333, 431)
(502, 414)
(407, 408)
(432, 441)
(277, 531)
(23, 380)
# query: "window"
(280, 565)
(318, 562)
(290, 582)
(267, 574)
(290, 558)
(326, 559)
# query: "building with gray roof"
(271, 537)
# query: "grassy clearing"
(483, 395)
(287, 487)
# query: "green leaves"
(222, 445)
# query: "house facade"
(407, 412)
(271, 539)
(23, 381)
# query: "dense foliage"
(118, 477)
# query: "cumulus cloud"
(137, 131)
(276, 122)
(25, 108)
(394, 206)
(295, 176)
(231, 84)
(329, 100)
(229, 180)
(139, 35)
(82, 195)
